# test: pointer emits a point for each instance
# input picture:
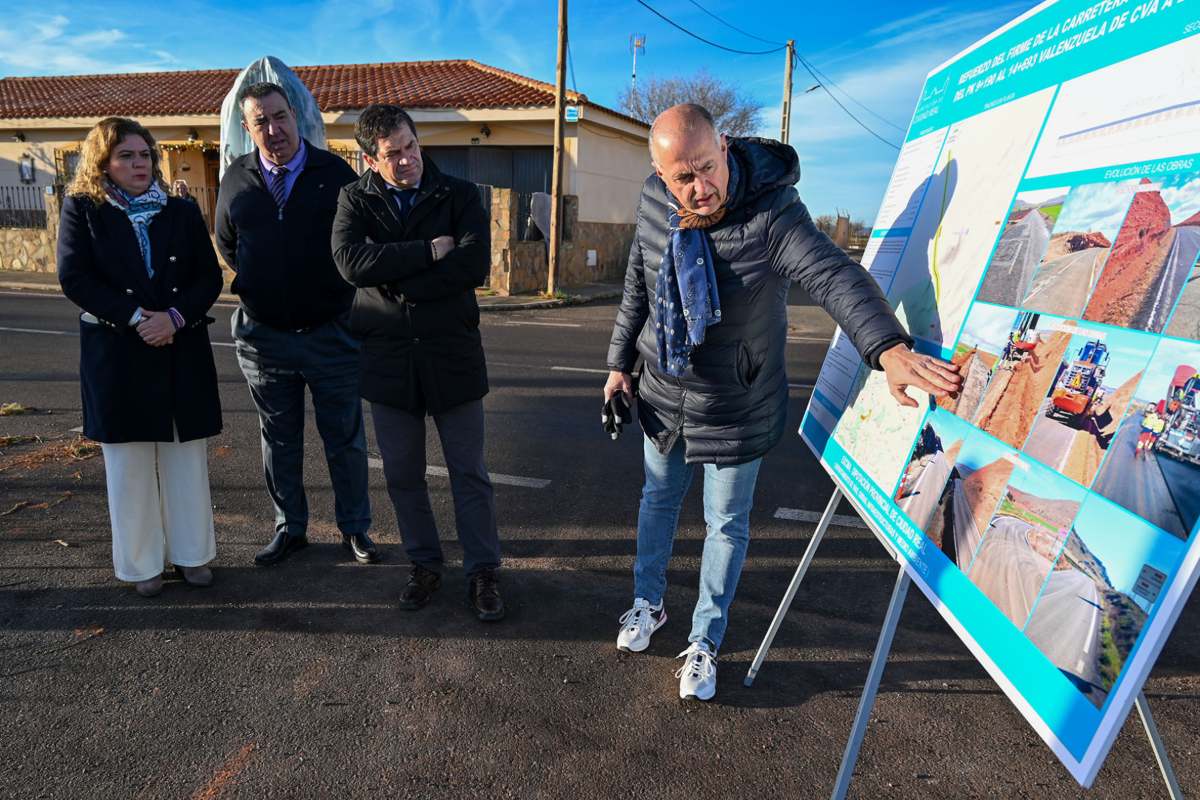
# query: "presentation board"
(1041, 229)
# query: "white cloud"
(37, 44)
(97, 39)
(1096, 207)
(1182, 196)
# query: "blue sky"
(981, 450)
(1038, 481)
(1171, 354)
(948, 427)
(877, 51)
(988, 327)
(1128, 351)
(1124, 542)
(1096, 207)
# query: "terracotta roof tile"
(336, 87)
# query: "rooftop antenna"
(637, 44)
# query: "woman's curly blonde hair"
(97, 148)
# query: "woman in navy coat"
(142, 268)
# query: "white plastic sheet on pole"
(235, 141)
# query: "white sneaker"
(698, 675)
(639, 624)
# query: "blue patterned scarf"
(687, 289)
(140, 210)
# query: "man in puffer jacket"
(721, 235)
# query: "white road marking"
(76, 430)
(800, 515)
(809, 339)
(37, 330)
(497, 477)
(544, 324)
(43, 294)
(555, 368)
(1087, 648)
(34, 292)
(580, 369)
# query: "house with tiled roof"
(475, 121)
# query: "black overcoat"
(133, 392)
(418, 319)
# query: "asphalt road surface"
(1008, 570)
(1185, 324)
(922, 500)
(305, 681)
(1066, 627)
(1061, 286)
(1051, 440)
(966, 533)
(1016, 258)
(1155, 487)
(1161, 302)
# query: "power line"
(674, 24)
(571, 62)
(842, 106)
(803, 61)
(813, 68)
(734, 27)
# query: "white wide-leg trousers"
(159, 504)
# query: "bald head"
(677, 123)
(689, 155)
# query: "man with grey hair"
(721, 235)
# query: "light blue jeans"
(728, 498)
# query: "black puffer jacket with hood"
(731, 404)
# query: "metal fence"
(22, 207)
(205, 197)
(526, 229)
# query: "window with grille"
(351, 155)
(66, 161)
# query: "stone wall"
(519, 267)
(32, 249)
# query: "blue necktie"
(279, 185)
(405, 198)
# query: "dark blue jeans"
(278, 365)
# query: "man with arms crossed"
(721, 235)
(416, 244)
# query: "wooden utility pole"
(785, 128)
(556, 181)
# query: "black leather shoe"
(422, 583)
(484, 595)
(365, 551)
(282, 546)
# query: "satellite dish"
(235, 140)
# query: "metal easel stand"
(874, 676)
(786, 603)
(1160, 749)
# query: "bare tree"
(736, 113)
(825, 224)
